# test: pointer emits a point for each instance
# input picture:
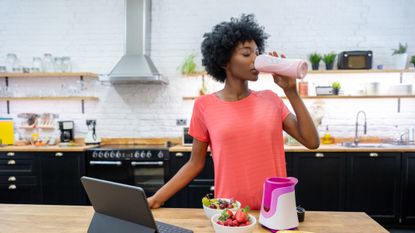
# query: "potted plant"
(329, 60)
(336, 87)
(189, 65)
(314, 59)
(400, 56)
(413, 60)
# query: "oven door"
(112, 170)
(148, 175)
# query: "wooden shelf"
(359, 71)
(195, 74)
(49, 74)
(201, 73)
(51, 98)
(355, 97)
(336, 97)
(36, 127)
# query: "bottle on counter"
(327, 139)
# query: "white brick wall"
(92, 33)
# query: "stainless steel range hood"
(136, 65)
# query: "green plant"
(314, 58)
(336, 85)
(329, 58)
(189, 65)
(413, 60)
(402, 49)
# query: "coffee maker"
(91, 136)
(67, 131)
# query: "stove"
(140, 165)
(129, 152)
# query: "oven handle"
(149, 163)
(118, 163)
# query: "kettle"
(278, 209)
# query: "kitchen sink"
(362, 145)
(372, 145)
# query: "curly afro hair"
(219, 44)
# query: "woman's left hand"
(286, 83)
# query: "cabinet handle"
(12, 187)
(147, 163)
(59, 154)
(11, 162)
(12, 179)
(179, 154)
(373, 154)
(212, 188)
(10, 154)
(319, 155)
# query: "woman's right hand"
(153, 203)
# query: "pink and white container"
(278, 210)
(294, 68)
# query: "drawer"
(20, 194)
(16, 155)
(18, 180)
(16, 166)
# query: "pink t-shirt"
(246, 142)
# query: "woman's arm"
(300, 126)
(186, 174)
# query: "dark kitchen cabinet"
(289, 163)
(321, 180)
(373, 184)
(408, 188)
(196, 191)
(60, 177)
(19, 180)
(191, 195)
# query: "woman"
(243, 127)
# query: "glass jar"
(48, 63)
(11, 60)
(66, 64)
(36, 64)
(58, 64)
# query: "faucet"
(356, 138)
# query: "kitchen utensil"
(278, 209)
(47, 63)
(372, 88)
(67, 131)
(294, 68)
(66, 64)
(91, 137)
(36, 64)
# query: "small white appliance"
(278, 210)
(91, 136)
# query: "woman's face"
(241, 64)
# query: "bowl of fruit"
(213, 206)
(239, 221)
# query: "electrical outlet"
(181, 122)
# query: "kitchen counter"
(31, 148)
(326, 148)
(74, 219)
